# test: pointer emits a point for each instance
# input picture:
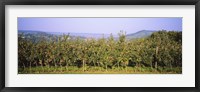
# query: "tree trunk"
(98, 64)
(83, 65)
(66, 66)
(94, 63)
(156, 58)
(36, 64)
(55, 65)
(24, 66)
(106, 67)
(60, 67)
(171, 64)
(118, 65)
(30, 68)
(156, 65)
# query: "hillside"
(39, 34)
(140, 34)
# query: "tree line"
(161, 49)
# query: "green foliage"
(162, 50)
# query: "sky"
(98, 25)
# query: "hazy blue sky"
(99, 25)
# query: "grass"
(98, 70)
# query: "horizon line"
(99, 33)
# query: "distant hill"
(72, 35)
(31, 32)
(84, 35)
(140, 34)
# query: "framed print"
(98, 45)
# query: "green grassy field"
(98, 70)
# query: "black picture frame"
(3, 3)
